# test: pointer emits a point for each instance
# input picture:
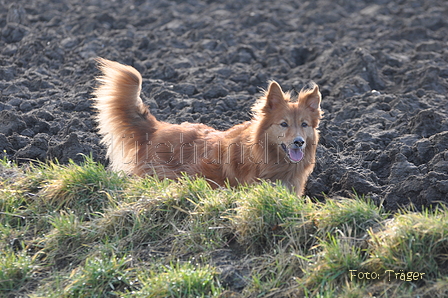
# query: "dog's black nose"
(299, 141)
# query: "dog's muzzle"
(295, 150)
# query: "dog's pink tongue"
(295, 154)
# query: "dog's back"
(137, 143)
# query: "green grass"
(415, 242)
(83, 231)
(15, 270)
(178, 280)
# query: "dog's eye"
(284, 124)
(304, 124)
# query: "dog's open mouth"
(294, 154)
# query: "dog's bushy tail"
(123, 119)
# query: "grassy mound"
(82, 231)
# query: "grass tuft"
(266, 214)
(87, 186)
(65, 241)
(15, 270)
(359, 214)
(413, 242)
(178, 280)
(332, 265)
(99, 276)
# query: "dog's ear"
(313, 98)
(274, 96)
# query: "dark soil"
(382, 67)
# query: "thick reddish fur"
(137, 143)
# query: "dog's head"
(290, 124)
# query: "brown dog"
(278, 144)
